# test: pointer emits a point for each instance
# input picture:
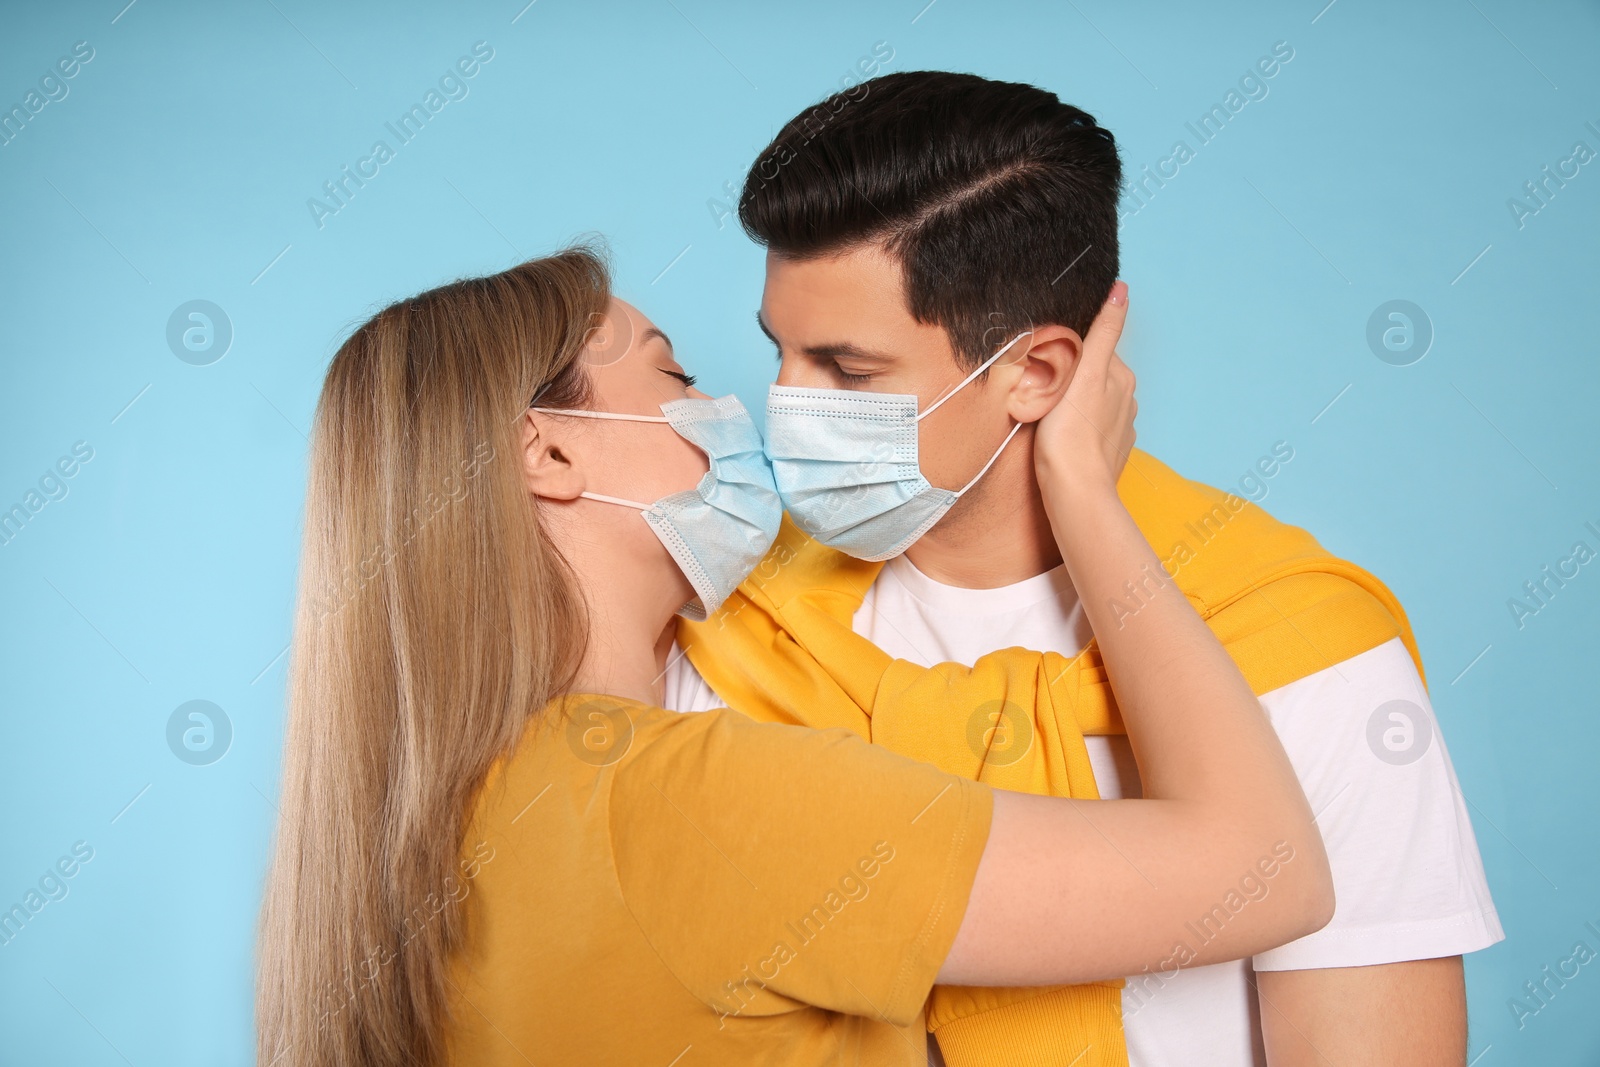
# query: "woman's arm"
(1221, 859)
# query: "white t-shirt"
(1407, 876)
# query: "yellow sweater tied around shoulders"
(782, 650)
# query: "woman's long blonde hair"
(434, 618)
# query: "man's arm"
(1413, 1013)
(1382, 984)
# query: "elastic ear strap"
(625, 503)
(992, 458)
(580, 414)
(985, 365)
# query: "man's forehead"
(833, 298)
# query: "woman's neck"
(624, 658)
(631, 599)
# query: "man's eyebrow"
(653, 332)
(831, 350)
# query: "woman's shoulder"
(626, 748)
(650, 818)
(593, 730)
(599, 730)
(585, 741)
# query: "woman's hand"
(1082, 444)
(1065, 896)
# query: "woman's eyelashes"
(688, 380)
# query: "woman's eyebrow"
(653, 332)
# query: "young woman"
(495, 848)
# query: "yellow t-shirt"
(650, 887)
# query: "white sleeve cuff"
(1369, 946)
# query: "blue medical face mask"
(719, 530)
(846, 467)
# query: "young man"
(916, 226)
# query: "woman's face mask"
(719, 530)
(846, 467)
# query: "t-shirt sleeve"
(774, 866)
(1407, 876)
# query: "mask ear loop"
(986, 466)
(620, 417)
(985, 365)
(581, 414)
(617, 500)
(964, 382)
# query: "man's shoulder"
(1217, 530)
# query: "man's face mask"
(719, 530)
(846, 465)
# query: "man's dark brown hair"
(999, 200)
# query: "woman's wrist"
(1074, 481)
(1092, 527)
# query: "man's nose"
(802, 373)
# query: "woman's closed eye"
(688, 380)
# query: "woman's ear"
(1048, 364)
(548, 467)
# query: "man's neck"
(997, 534)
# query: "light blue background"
(1378, 167)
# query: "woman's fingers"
(1086, 437)
(1100, 344)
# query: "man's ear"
(1048, 362)
(548, 467)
